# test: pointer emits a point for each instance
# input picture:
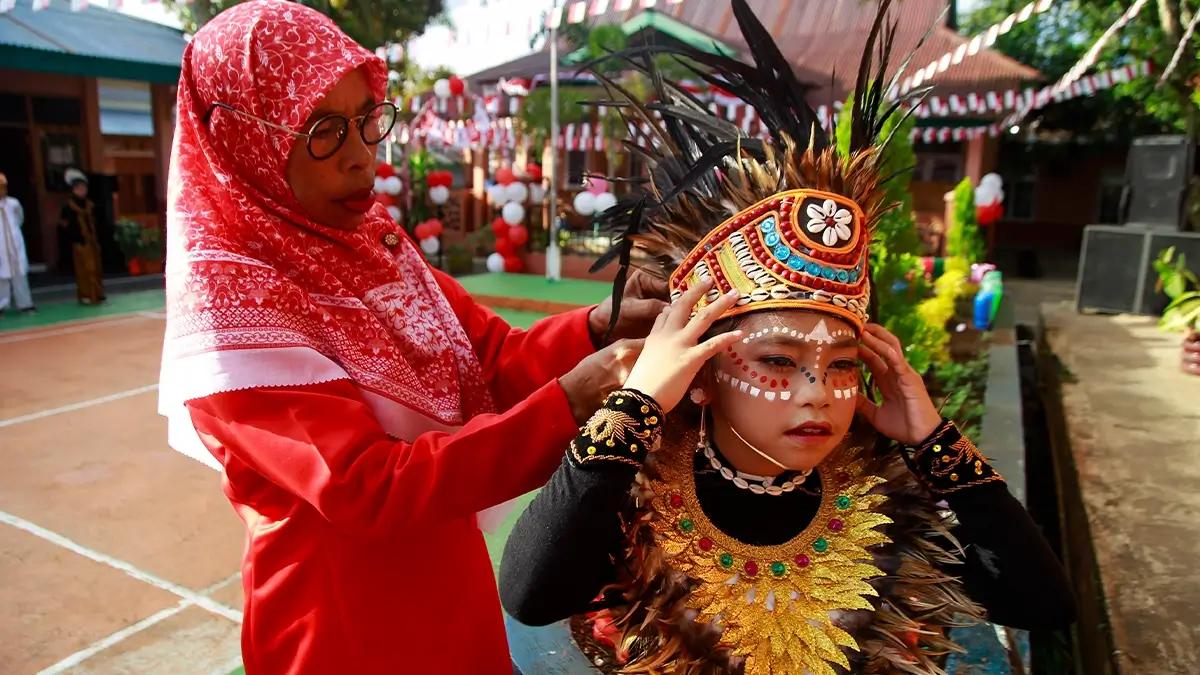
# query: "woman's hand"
(597, 376)
(907, 414)
(671, 357)
(643, 300)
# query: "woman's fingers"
(875, 363)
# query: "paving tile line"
(72, 407)
(188, 598)
(129, 631)
(80, 326)
(193, 597)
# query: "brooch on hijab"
(391, 240)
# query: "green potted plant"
(151, 244)
(128, 234)
(1182, 288)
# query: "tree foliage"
(963, 238)
(1052, 42)
(370, 22)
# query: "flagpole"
(553, 254)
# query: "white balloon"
(984, 195)
(1000, 196)
(396, 53)
(441, 88)
(430, 245)
(537, 193)
(605, 201)
(380, 183)
(439, 194)
(394, 212)
(496, 194)
(393, 185)
(585, 203)
(495, 263)
(516, 192)
(513, 213)
(992, 180)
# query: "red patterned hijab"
(259, 295)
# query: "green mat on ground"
(70, 310)
(574, 291)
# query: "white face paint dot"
(755, 391)
(770, 395)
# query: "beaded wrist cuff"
(623, 430)
(948, 462)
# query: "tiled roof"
(93, 42)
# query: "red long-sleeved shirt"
(362, 553)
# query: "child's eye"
(778, 361)
(844, 364)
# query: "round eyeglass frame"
(358, 120)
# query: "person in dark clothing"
(77, 223)
(794, 514)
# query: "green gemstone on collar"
(687, 525)
(778, 568)
(725, 560)
(843, 502)
(821, 545)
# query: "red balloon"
(457, 86)
(518, 235)
(439, 178)
(505, 247)
(385, 199)
(422, 231)
(435, 227)
(513, 264)
(534, 172)
(500, 228)
(385, 170)
(505, 176)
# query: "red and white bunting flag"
(79, 5)
(39, 5)
(648, 3)
(7, 5)
(747, 119)
(598, 7)
(577, 12)
(554, 18)
(623, 5)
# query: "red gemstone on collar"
(705, 544)
(676, 501)
(751, 568)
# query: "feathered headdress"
(786, 220)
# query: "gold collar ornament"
(775, 605)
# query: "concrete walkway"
(1128, 457)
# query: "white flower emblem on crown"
(832, 223)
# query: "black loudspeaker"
(1157, 176)
(1116, 272)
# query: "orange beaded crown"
(799, 249)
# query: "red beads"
(774, 383)
(802, 560)
(705, 544)
(763, 379)
(785, 384)
(837, 525)
(676, 501)
(751, 568)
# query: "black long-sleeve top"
(563, 549)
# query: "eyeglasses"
(326, 136)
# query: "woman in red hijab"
(361, 407)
